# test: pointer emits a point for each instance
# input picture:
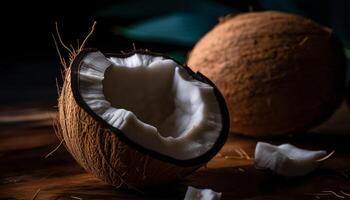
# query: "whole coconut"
(279, 73)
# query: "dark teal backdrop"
(29, 62)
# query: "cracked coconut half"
(139, 119)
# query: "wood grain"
(24, 170)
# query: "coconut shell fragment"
(279, 73)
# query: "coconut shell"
(279, 73)
(100, 151)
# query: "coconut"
(139, 119)
(279, 73)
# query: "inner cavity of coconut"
(153, 101)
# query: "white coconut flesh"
(153, 101)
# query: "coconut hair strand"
(60, 39)
(87, 37)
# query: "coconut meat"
(193, 193)
(286, 159)
(153, 101)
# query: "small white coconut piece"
(286, 159)
(193, 193)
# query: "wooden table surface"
(27, 136)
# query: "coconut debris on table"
(193, 193)
(288, 160)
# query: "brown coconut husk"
(279, 73)
(99, 150)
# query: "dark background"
(29, 64)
